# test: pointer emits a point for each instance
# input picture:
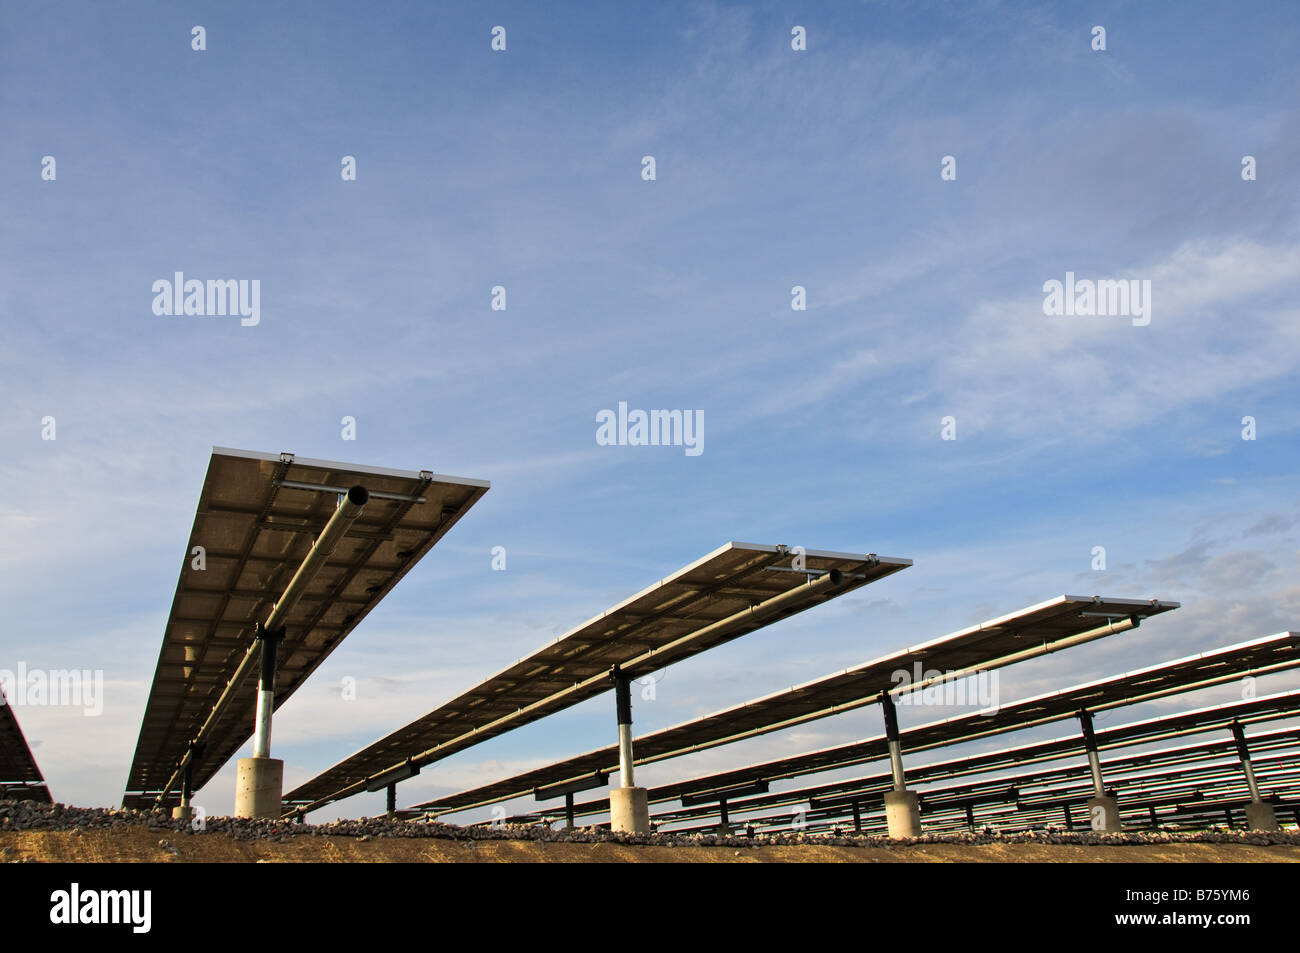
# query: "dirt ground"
(141, 846)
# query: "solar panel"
(1258, 657)
(1261, 656)
(982, 646)
(734, 590)
(257, 517)
(1247, 711)
(20, 778)
(1134, 778)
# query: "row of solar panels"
(257, 518)
(1009, 764)
(979, 647)
(259, 514)
(1199, 772)
(1246, 711)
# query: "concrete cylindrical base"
(1103, 814)
(629, 810)
(903, 814)
(182, 814)
(259, 782)
(1260, 816)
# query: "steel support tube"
(896, 765)
(626, 779)
(1090, 745)
(349, 508)
(265, 694)
(1251, 782)
(1095, 767)
(892, 735)
(623, 706)
(1111, 628)
(1243, 752)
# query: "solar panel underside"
(1016, 810)
(1045, 623)
(661, 625)
(875, 785)
(1259, 656)
(1128, 776)
(1211, 779)
(257, 517)
(20, 778)
(1247, 711)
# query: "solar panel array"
(1256, 657)
(734, 590)
(981, 645)
(257, 517)
(1030, 797)
(259, 514)
(1250, 711)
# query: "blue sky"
(774, 168)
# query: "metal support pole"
(1227, 816)
(857, 816)
(1090, 745)
(392, 798)
(1069, 816)
(722, 805)
(1243, 752)
(269, 640)
(186, 790)
(623, 703)
(568, 810)
(1151, 812)
(895, 747)
(970, 816)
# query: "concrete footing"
(1260, 816)
(259, 783)
(903, 813)
(629, 810)
(1103, 814)
(182, 814)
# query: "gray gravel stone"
(29, 815)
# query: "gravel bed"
(31, 815)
